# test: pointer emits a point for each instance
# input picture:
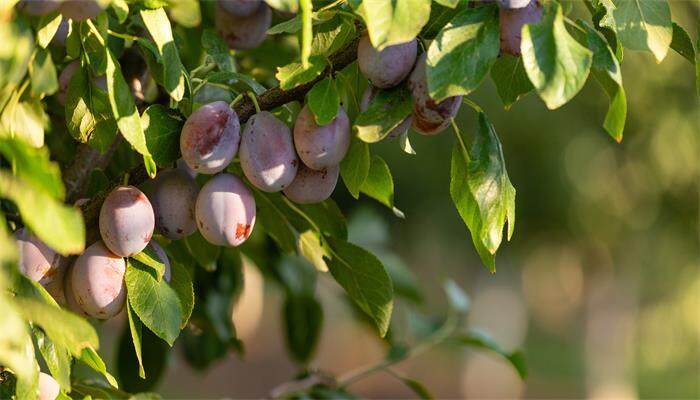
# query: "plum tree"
(210, 138)
(97, 282)
(429, 117)
(48, 387)
(225, 211)
(173, 196)
(312, 186)
(38, 7)
(511, 23)
(240, 8)
(126, 221)
(267, 153)
(400, 129)
(320, 147)
(163, 258)
(512, 4)
(243, 32)
(80, 10)
(388, 67)
(67, 74)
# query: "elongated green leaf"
(33, 166)
(392, 22)
(218, 50)
(59, 226)
(463, 52)
(16, 348)
(330, 36)
(641, 24)
(135, 328)
(323, 101)
(47, 28)
(556, 63)
(93, 360)
(43, 73)
(510, 78)
(24, 120)
(150, 259)
(181, 282)
(481, 340)
(162, 127)
(295, 74)
(303, 319)
(155, 302)
(379, 184)
(387, 110)
(682, 43)
(355, 166)
(64, 328)
(158, 25)
(365, 280)
(272, 215)
(57, 359)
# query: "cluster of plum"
(512, 15)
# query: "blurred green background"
(600, 284)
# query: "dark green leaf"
(93, 360)
(150, 259)
(181, 282)
(203, 252)
(218, 50)
(682, 43)
(57, 359)
(294, 74)
(43, 73)
(481, 340)
(323, 101)
(462, 53)
(510, 78)
(303, 319)
(155, 354)
(33, 166)
(355, 166)
(158, 25)
(363, 277)
(162, 127)
(379, 184)
(387, 110)
(272, 216)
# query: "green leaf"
(312, 249)
(303, 319)
(440, 15)
(286, 6)
(181, 282)
(218, 50)
(458, 299)
(93, 360)
(185, 12)
(510, 78)
(61, 227)
(204, 252)
(379, 184)
(387, 110)
(272, 216)
(417, 387)
(158, 25)
(330, 36)
(47, 28)
(307, 9)
(641, 24)
(65, 329)
(162, 127)
(326, 217)
(392, 22)
(155, 356)
(121, 9)
(405, 144)
(481, 340)
(149, 258)
(323, 101)
(556, 63)
(33, 166)
(155, 302)
(682, 43)
(16, 348)
(365, 280)
(448, 3)
(294, 74)
(481, 190)
(24, 119)
(135, 329)
(57, 359)
(463, 52)
(355, 166)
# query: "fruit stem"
(255, 101)
(125, 181)
(236, 100)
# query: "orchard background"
(381, 291)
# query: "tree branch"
(268, 100)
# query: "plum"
(388, 67)
(48, 387)
(210, 138)
(97, 282)
(225, 211)
(429, 116)
(71, 302)
(173, 198)
(267, 153)
(511, 23)
(243, 32)
(240, 8)
(163, 258)
(38, 7)
(126, 221)
(182, 166)
(40, 263)
(312, 186)
(513, 4)
(320, 147)
(400, 129)
(67, 74)
(61, 33)
(80, 10)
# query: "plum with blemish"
(312, 186)
(97, 282)
(210, 138)
(48, 387)
(163, 258)
(80, 10)
(71, 302)
(126, 221)
(173, 197)
(267, 153)
(511, 22)
(388, 67)
(429, 116)
(243, 32)
(400, 129)
(320, 147)
(240, 8)
(225, 211)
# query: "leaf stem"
(124, 36)
(473, 105)
(255, 101)
(125, 180)
(236, 100)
